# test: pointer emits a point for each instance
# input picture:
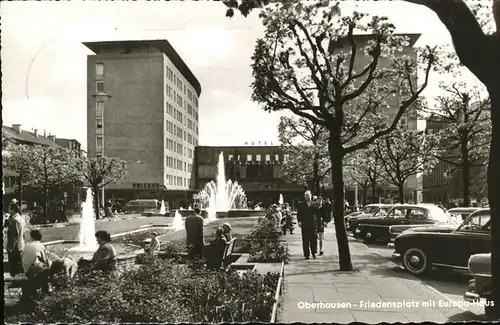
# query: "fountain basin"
(245, 213)
(185, 213)
(69, 249)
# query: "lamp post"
(101, 97)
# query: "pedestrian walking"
(15, 239)
(319, 215)
(307, 223)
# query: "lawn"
(113, 226)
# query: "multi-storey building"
(143, 108)
(258, 169)
(413, 186)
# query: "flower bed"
(159, 292)
(264, 243)
(138, 237)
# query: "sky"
(44, 62)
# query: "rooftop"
(27, 137)
(164, 46)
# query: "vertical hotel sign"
(259, 143)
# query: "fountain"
(281, 199)
(177, 224)
(162, 207)
(223, 198)
(86, 236)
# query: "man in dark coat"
(307, 223)
(194, 234)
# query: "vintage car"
(480, 287)
(455, 218)
(371, 210)
(372, 229)
(419, 251)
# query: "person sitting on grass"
(216, 249)
(227, 231)
(61, 271)
(36, 266)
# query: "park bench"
(13, 285)
(228, 251)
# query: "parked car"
(419, 251)
(369, 211)
(481, 286)
(460, 214)
(455, 218)
(405, 215)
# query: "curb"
(437, 292)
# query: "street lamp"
(101, 97)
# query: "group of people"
(313, 215)
(281, 215)
(197, 248)
(32, 259)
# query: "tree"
(400, 156)
(18, 159)
(465, 130)
(305, 144)
(51, 167)
(100, 172)
(363, 168)
(310, 63)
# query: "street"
(453, 284)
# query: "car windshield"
(477, 222)
(370, 209)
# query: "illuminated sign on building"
(259, 143)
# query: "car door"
(472, 237)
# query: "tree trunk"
(494, 196)
(401, 192)
(465, 174)
(365, 192)
(316, 179)
(96, 202)
(46, 205)
(336, 156)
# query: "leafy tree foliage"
(17, 158)
(51, 167)
(306, 145)
(102, 171)
(363, 168)
(465, 130)
(311, 63)
(400, 156)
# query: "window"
(277, 157)
(249, 157)
(99, 69)
(268, 157)
(397, 213)
(99, 86)
(416, 214)
(477, 223)
(230, 157)
(99, 107)
(98, 123)
(403, 121)
(258, 157)
(98, 141)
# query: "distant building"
(258, 169)
(143, 108)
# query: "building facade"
(258, 169)
(143, 108)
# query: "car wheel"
(416, 261)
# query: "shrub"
(160, 292)
(264, 243)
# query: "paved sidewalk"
(375, 280)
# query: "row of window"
(177, 114)
(174, 146)
(257, 157)
(146, 185)
(173, 180)
(181, 86)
